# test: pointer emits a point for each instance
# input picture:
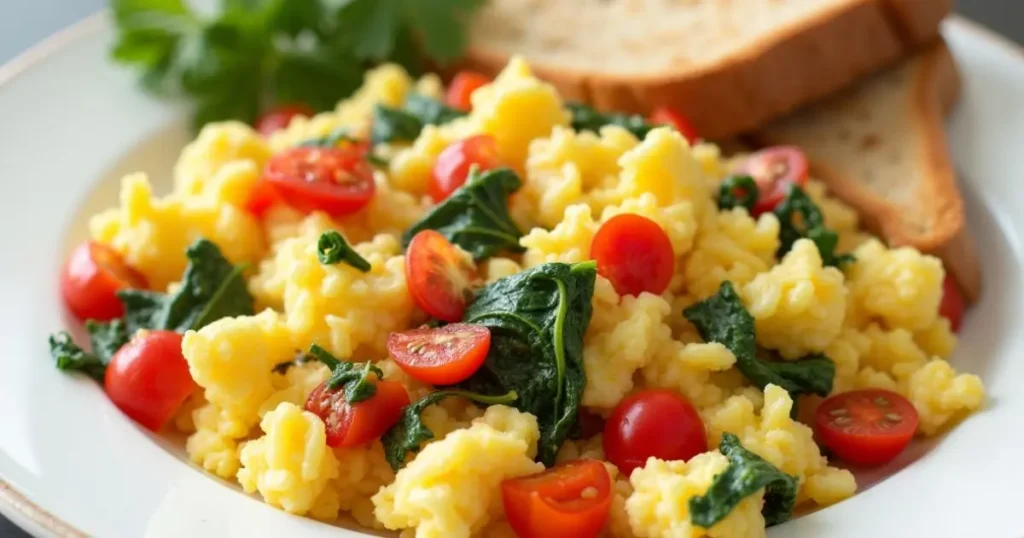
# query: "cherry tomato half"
(262, 198)
(281, 117)
(440, 276)
(462, 88)
(656, 423)
(571, 499)
(676, 119)
(774, 170)
(952, 306)
(866, 427)
(635, 254)
(91, 279)
(441, 356)
(337, 181)
(454, 163)
(356, 424)
(148, 378)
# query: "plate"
(71, 465)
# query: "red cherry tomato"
(148, 378)
(774, 170)
(91, 279)
(441, 356)
(440, 277)
(635, 254)
(676, 119)
(337, 181)
(653, 423)
(356, 424)
(281, 117)
(462, 88)
(571, 499)
(454, 163)
(262, 198)
(866, 427)
(952, 306)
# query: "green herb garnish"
(404, 125)
(738, 191)
(586, 118)
(332, 248)
(105, 338)
(352, 377)
(811, 225)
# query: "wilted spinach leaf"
(811, 225)
(352, 377)
(105, 340)
(586, 118)
(391, 124)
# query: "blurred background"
(24, 23)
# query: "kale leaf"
(811, 225)
(390, 124)
(211, 289)
(409, 433)
(738, 191)
(537, 319)
(746, 475)
(586, 118)
(475, 217)
(724, 319)
(332, 248)
(105, 340)
(352, 377)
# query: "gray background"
(23, 23)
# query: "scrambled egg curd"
(442, 338)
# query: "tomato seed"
(589, 492)
(881, 402)
(895, 417)
(843, 420)
(841, 412)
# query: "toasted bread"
(881, 147)
(728, 66)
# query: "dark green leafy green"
(332, 248)
(332, 140)
(537, 319)
(586, 118)
(722, 318)
(799, 217)
(746, 474)
(404, 125)
(352, 377)
(379, 29)
(738, 191)
(475, 217)
(105, 340)
(409, 433)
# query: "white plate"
(71, 464)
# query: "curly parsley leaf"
(376, 29)
(354, 378)
(332, 248)
(799, 218)
(738, 191)
(587, 118)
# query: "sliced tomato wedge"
(571, 499)
(440, 276)
(443, 355)
(866, 427)
(148, 378)
(774, 170)
(337, 181)
(675, 119)
(635, 254)
(454, 164)
(349, 425)
(280, 117)
(952, 305)
(91, 279)
(462, 87)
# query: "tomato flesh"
(441, 356)
(262, 198)
(866, 427)
(635, 254)
(638, 429)
(349, 425)
(454, 164)
(571, 499)
(280, 117)
(440, 277)
(337, 181)
(674, 118)
(952, 305)
(462, 87)
(148, 378)
(774, 170)
(91, 278)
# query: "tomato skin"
(337, 181)
(454, 163)
(857, 428)
(280, 117)
(570, 499)
(148, 378)
(672, 117)
(635, 254)
(262, 198)
(636, 430)
(91, 278)
(441, 356)
(462, 88)
(349, 425)
(774, 169)
(439, 276)
(952, 306)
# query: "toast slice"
(728, 66)
(880, 146)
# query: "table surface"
(24, 23)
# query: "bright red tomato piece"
(866, 427)
(571, 499)
(462, 88)
(337, 181)
(349, 425)
(440, 277)
(262, 198)
(441, 356)
(281, 117)
(655, 423)
(952, 306)
(635, 254)
(454, 163)
(148, 378)
(91, 279)
(676, 119)
(774, 170)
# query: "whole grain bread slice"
(729, 66)
(881, 147)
